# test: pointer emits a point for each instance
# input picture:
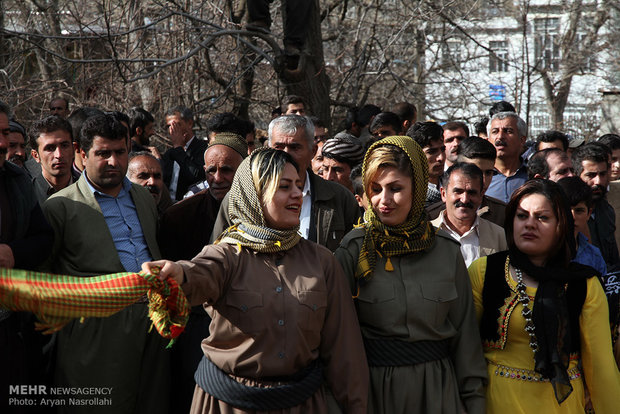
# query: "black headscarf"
(552, 318)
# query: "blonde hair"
(385, 156)
(267, 168)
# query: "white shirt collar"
(443, 224)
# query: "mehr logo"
(27, 390)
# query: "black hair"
(356, 179)
(552, 136)
(365, 114)
(120, 116)
(592, 151)
(48, 124)
(565, 246)
(538, 164)
(6, 109)
(480, 127)
(610, 140)
(351, 118)
(227, 122)
(292, 99)
(501, 106)
(77, 119)
(184, 112)
(476, 148)
(576, 191)
(406, 111)
(386, 118)
(106, 126)
(456, 125)
(425, 132)
(60, 98)
(467, 169)
(317, 122)
(138, 118)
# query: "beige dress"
(273, 314)
(427, 297)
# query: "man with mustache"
(591, 164)
(453, 133)
(105, 224)
(507, 132)
(145, 170)
(52, 149)
(461, 190)
(17, 144)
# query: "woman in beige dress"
(283, 318)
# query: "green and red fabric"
(57, 299)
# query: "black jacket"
(191, 162)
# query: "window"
(546, 43)
(588, 58)
(451, 54)
(498, 58)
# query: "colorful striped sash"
(56, 299)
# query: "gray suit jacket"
(83, 245)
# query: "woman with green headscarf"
(412, 293)
(282, 315)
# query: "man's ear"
(589, 212)
(35, 155)
(84, 155)
(442, 190)
(538, 176)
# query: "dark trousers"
(296, 21)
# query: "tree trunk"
(312, 81)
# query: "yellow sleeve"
(599, 366)
(477, 270)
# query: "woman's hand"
(167, 269)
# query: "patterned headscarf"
(245, 210)
(413, 235)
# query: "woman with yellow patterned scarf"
(412, 293)
(282, 315)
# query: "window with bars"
(498, 58)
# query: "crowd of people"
(395, 266)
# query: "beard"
(598, 192)
(17, 159)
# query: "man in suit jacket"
(105, 224)
(462, 193)
(329, 210)
(182, 164)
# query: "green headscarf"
(249, 228)
(413, 235)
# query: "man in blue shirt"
(507, 132)
(105, 224)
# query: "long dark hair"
(565, 247)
